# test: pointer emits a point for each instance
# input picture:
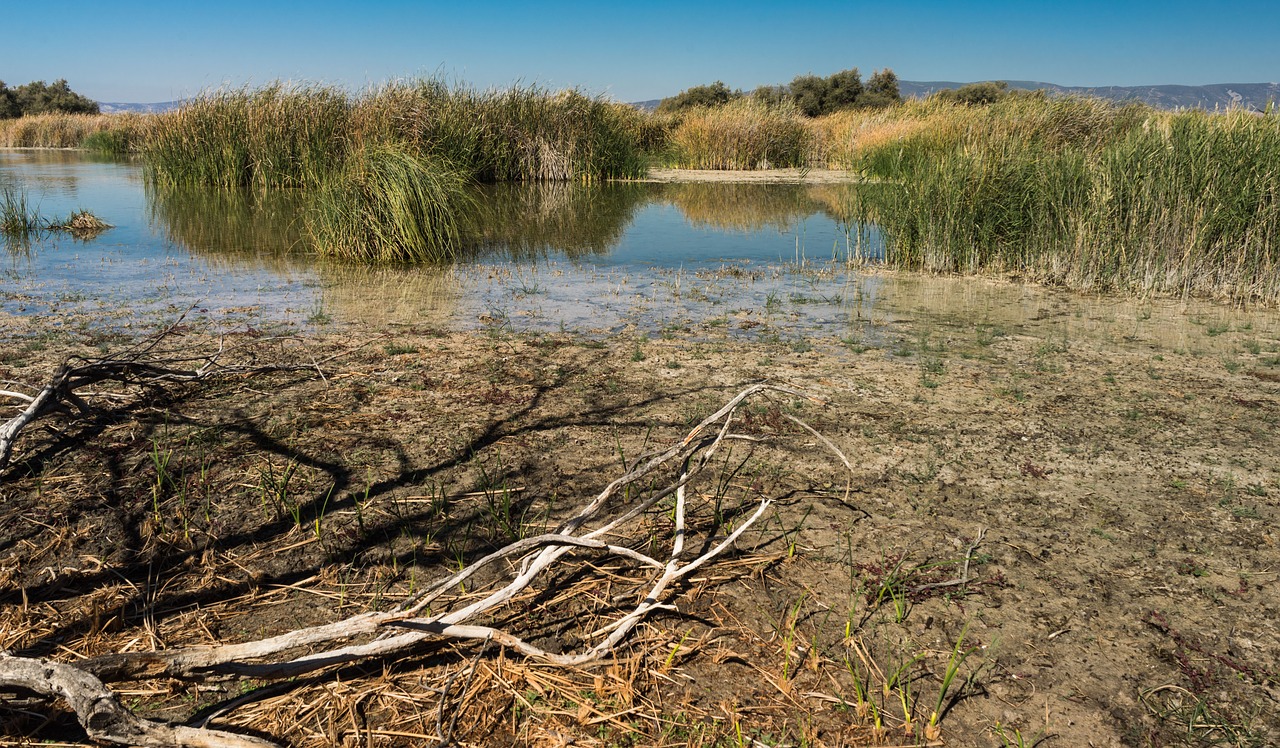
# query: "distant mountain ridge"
(114, 107)
(1252, 96)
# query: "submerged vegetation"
(20, 221)
(1070, 191)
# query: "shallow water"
(757, 261)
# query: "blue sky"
(150, 51)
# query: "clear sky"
(132, 51)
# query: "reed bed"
(744, 134)
(284, 135)
(1080, 193)
(111, 133)
(278, 136)
(387, 170)
(521, 133)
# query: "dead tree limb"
(380, 634)
(100, 712)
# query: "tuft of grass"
(389, 205)
(18, 219)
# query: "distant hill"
(1252, 96)
(1214, 96)
(112, 107)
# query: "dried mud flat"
(1092, 525)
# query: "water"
(756, 261)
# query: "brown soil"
(1094, 525)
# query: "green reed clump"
(513, 134)
(296, 136)
(18, 219)
(390, 205)
(744, 134)
(278, 136)
(1088, 195)
(109, 142)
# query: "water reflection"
(741, 207)
(520, 221)
(229, 229)
(761, 261)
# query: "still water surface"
(766, 261)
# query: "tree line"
(813, 95)
(39, 97)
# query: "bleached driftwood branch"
(379, 634)
(100, 712)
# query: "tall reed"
(744, 134)
(122, 131)
(286, 135)
(1084, 194)
(513, 134)
(389, 205)
(279, 136)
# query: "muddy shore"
(1093, 522)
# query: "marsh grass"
(1083, 194)
(745, 134)
(18, 219)
(278, 136)
(519, 133)
(113, 134)
(292, 135)
(388, 205)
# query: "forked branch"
(380, 634)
